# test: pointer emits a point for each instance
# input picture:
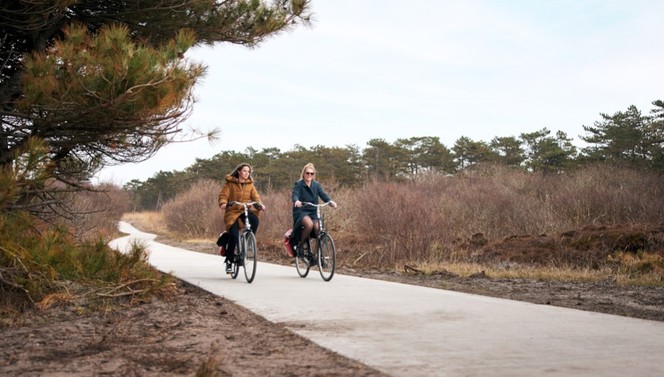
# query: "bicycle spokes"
(327, 256)
(250, 257)
(301, 264)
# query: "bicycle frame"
(245, 239)
(321, 223)
(247, 223)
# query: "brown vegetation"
(195, 212)
(477, 218)
(95, 214)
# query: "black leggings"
(235, 234)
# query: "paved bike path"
(406, 330)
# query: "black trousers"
(235, 234)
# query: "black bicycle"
(325, 255)
(245, 252)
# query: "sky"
(391, 69)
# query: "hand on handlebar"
(258, 206)
(299, 204)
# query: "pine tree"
(106, 82)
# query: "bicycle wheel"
(238, 257)
(327, 257)
(250, 257)
(302, 264)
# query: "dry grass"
(515, 271)
(148, 221)
(622, 277)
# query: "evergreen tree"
(547, 153)
(381, 159)
(655, 132)
(468, 152)
(628, 137)
(618, 137)
(108, 82)
(508, 151)
(425, 154)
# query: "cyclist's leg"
(232, 242)
(297, 230)
(307, 228)
(255, 222)
(313, 236)
(306, 225)
(315, 229)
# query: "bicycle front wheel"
(327, 257)
(250, 257)
(239, 250)
(302, 263)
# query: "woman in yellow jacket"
(239, 187)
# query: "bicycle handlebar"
(315, 205)
(257, 205)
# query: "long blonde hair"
(307, 166)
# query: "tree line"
(627, 138)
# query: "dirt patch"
(589, 247)
(198, 333)
(195, 332)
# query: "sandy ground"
(196, 333)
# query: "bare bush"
(95, 214)
(439, 218)
(433, 219)
(195, 212)
(608, 195)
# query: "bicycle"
(326, 252)
(245, 251)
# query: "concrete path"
(406, 330)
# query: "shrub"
(42, 261)
(433, 219)
(195, 212)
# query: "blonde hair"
(307, 166)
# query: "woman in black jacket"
(305, 219)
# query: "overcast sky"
(393, 69)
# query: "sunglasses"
(309, 173)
